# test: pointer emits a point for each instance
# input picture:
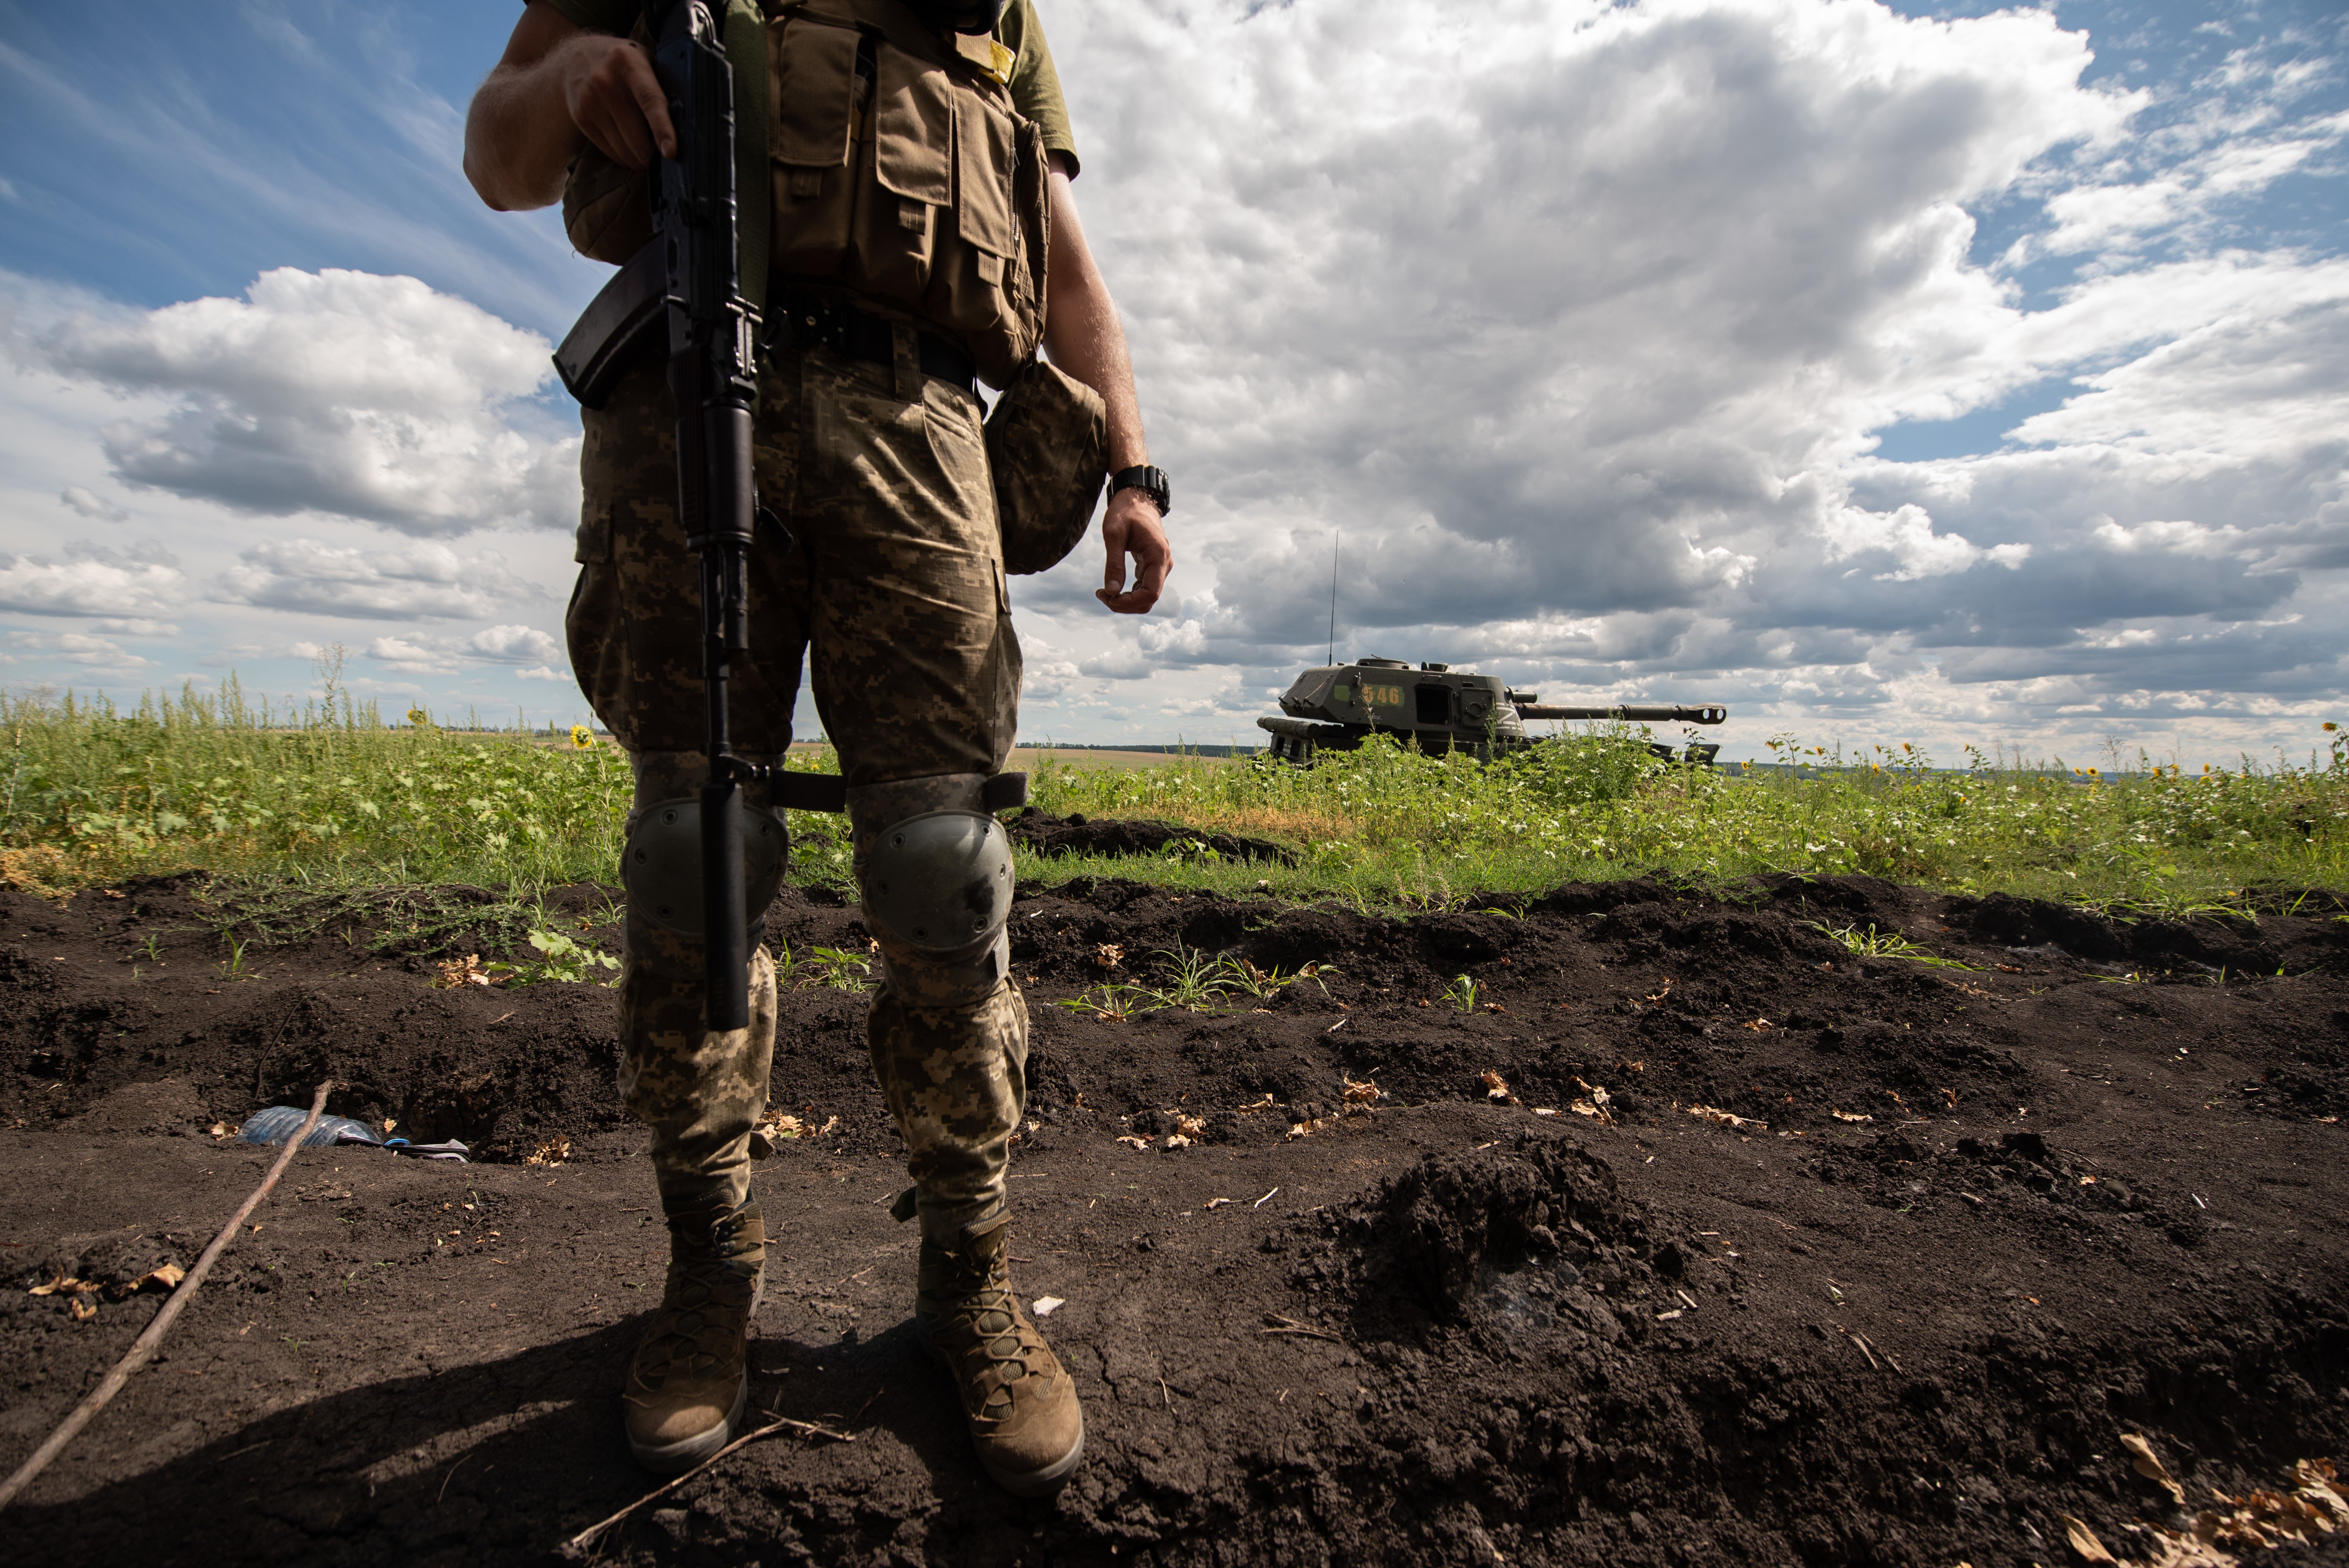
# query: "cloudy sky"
(1933, 372)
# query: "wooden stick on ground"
(143, 1348)
(781, 1423)
(1290, 1326)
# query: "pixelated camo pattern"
(893, 591)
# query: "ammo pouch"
(895, 167)
(1047, 446)
(607, 210)
(902, 172)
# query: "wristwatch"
(1150, 481)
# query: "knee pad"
(661, 866)
(936, 873)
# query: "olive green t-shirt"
(1035, 84)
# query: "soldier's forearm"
(556, 89)
(1082, 333)
(519, 136)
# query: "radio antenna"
(1333, 595)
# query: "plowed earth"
(2095, 1187)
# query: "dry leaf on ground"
(2262, 1518)
(1595, 1105)
(2084, 1541)
(458, 973)
(1496, 1089)
(2143, 1460)
(1721, 1118)
(1850, 1115)
(553, 1151)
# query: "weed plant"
(329, 797)
(1194, 982)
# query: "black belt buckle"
(807, 320)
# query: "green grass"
(1386, 826)
(331, 798)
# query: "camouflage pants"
(892, 592)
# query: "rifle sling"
(829, 792)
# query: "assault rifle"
(688, 279)
(713, 378)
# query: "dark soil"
(1041, 831)
(1997, 1217)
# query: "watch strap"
(1151, 481)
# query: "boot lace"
(982, 1321)
(692, 1335)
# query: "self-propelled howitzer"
(1336, 707)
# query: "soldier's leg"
(916, 674)
(634, 626)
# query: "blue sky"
(1939, 373)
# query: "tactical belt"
(803, 318)
(626, 316)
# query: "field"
(1575, 1162)
(329, 797)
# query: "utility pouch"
(1048, 446)
(606, 207)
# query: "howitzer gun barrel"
(1665, 713)
(1302, 730)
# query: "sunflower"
(582, 737)
(420, 718)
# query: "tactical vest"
(900, 172)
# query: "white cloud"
(334, 392)
(79, 649)
(514, 645)
(90, 505)
(1907, 535)
(408, 582)
(142, 581)
(509, 645)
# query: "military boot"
(1021, 1404)
(690, 1377)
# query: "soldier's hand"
(1132, 527)
(616, 100)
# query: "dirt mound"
(1038, 829)
(1683, 1234)
(1441, 1236)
